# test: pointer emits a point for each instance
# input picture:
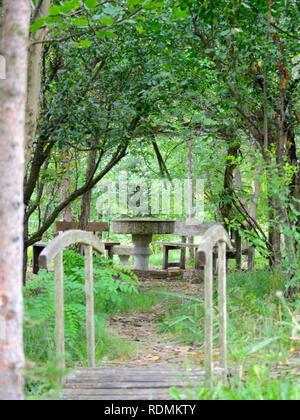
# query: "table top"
(143, 226)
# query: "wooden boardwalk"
(147, 383)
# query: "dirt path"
(141, 329)
(154, 348)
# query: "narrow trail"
(156, 365)
(153, 346)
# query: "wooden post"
(238, 248)
(208, 284)
(54, 251)
(183, 254)
(223, 310)
(216, 235)
(59, 310)
(251, 256)
(90, 319)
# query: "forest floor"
(157, 344)
(148, 330)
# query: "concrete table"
(142, 230)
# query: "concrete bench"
(95, 227)
(37, 248)
(199, 263)
(124, 253)
(170, 246)
(184, 229)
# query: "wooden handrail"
(63, 241)
(216, 235)
(54, 251)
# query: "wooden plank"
(143, 376)
(159, 368)
(97, 227)
(175, 245)
(161, 394)
(130, 391)
(127, 379)
(116, 398)
(130, 385)
(116, 392)
(64, 226)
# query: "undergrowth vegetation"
(111, 286)
(259, 328)
(260, 347)
(259, 317)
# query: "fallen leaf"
(153, 359)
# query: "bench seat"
(200, 259)
(124, 253)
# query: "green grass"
(257, 318)
(256, 385)
(259, 331)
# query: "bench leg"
(110, 253)
(200, 260)
(165, 258)
(238, 251)
(183, 258)
(37, 250)
(124, 260)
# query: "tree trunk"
(191, 211)
(87, 197)
(12, 132)
(226, 206)
(34, 78)
(65, 187)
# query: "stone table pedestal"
(142, 230)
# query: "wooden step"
(127, 383)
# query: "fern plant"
(111, 285)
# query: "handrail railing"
(54, 251)
(216, 235)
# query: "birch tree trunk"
(12, 126)
(34, 77)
